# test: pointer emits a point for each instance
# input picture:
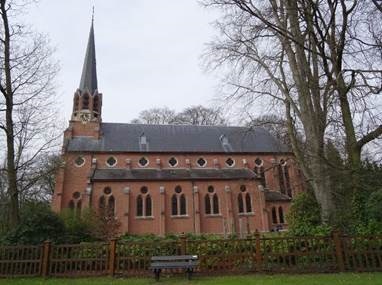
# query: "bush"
(374, 206)
(38, 223)
(304, 216)
(78, 228)
(373, 209)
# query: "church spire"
(87, 103)
(89, 70)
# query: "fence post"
(183, 244)
(45, 258)
(259, 258)
(338, 247)
(112, 255)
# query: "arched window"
(106, 203)
(178, 203)
(75, 203)
(78, 208)
(144, 203)
(96, 106)
(174, 205)
(76, 103)
(139, 206)
(148, 206)
(287, 180)
(281, 215)
(244, 200)
(183, 205)
(240, 203)
(284, 178)
(215, 202)
(111, 206)
(102, 205)
(207, 203)
(281, 178)
(85, 102)
(211, 201)
(274, 216)
(248, 203)
(259, 170)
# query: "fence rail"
(336, 253)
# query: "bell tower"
(86, 116)
(87, 102)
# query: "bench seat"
(186, 262)
(174, 264)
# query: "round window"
(173, 161)
(282, 162)
(201, 162)
(258, 162)
(243, 188)
(143, 162)
(178, 189)
(211, 189)
(76, 195)
(144, 190)
(230, 162)
(79, 161)
(111, 161)
(107, 191)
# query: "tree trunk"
(11, 168)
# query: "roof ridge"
(181, 125)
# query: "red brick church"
(172, 178)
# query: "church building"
(164, 179)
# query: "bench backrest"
(174, 258)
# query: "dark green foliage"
(78, 228)
(38, 223)
(373, 212)
(304, 216)
(374, 206)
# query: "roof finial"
(93, 15)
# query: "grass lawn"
(316, 279)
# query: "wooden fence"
(334, 253)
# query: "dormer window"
(225, 143)
(111, 161)
(143, 143)
(201, 162)
(143, 161)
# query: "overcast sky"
(148, 52)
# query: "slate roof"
(117, 137)
(171, 174)
(274, 196)
(89, 69)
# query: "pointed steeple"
(89, 70)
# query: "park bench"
(186, 262)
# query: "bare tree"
(28, 115)
(37, 183)
(156, 116)
(315, 59)
(200, 115)
(277, 126)
(194, 115)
